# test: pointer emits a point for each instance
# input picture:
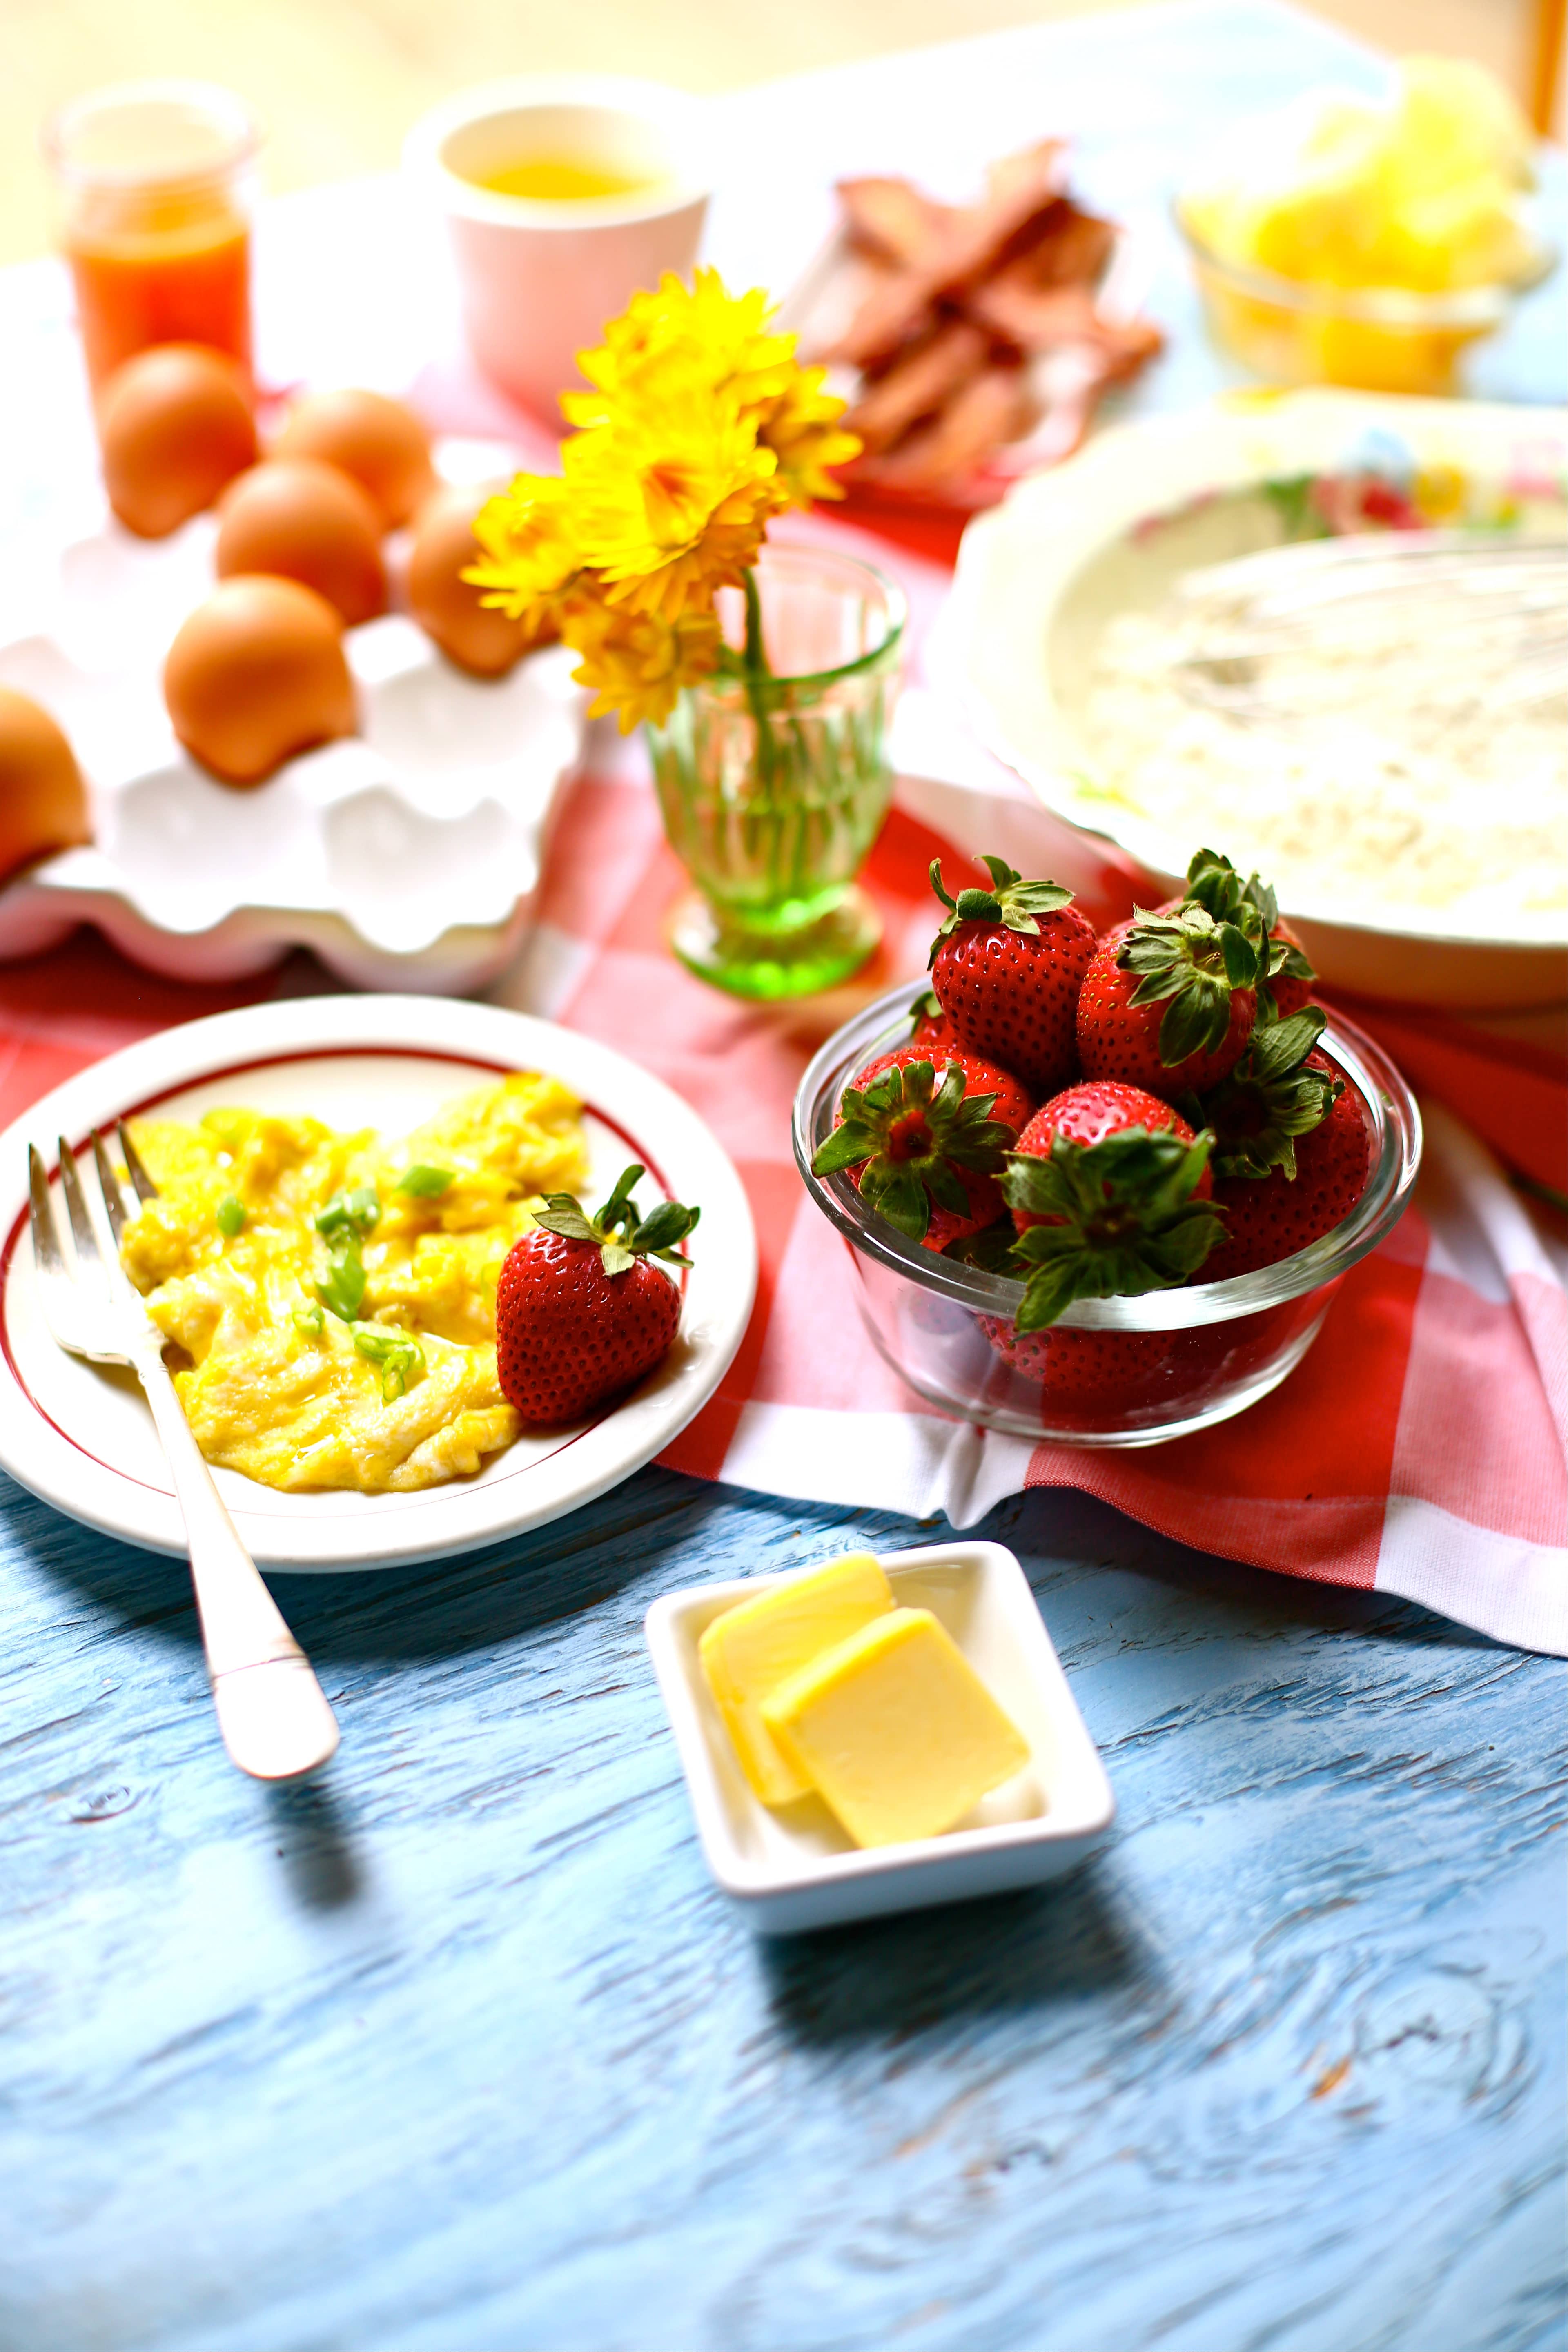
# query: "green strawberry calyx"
(1010, 901)
(1190, 964)
(623, 1234)
(927, 1006)
(1213, 882)
(1125, 1221)
(914, 1134)
(1271, 1098)
(990, 1250)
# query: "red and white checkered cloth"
(1418, 1450)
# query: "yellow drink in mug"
(561, 180)
(563, 195)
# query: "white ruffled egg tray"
(407, 856)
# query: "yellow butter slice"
(754, 1647)
(895, 1730)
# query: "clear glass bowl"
(1117, 1371)
(1371, 338)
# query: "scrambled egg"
(335, 1297)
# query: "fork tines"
(145, 1188)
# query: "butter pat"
(895, 1730)
(748, 1652)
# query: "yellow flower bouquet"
(700, 427)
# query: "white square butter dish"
(793, 1867)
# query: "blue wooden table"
(459, 2047)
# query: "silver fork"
(272, 1712)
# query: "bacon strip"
(918, 386)
(971, 324)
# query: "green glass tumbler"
(774, 783)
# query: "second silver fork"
(274, 1717)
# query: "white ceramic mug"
(538, 277)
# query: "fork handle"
(272, 1712)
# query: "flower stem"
(756, 655)
(756, 671)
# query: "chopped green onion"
(310, 1322)
(352, 1212)
(425, 1183)
(343, 1291)
(230, 1216)
(401, 1358)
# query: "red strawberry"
(1090, 1379)
(1007, 965)
(1169, 1001)
(1271, 1217)
(1214, 883)
(1109, 1188)
(1278, 1092)
(581, 1312)
(924, 1135)
(1104, 1381)
(1090, 1111)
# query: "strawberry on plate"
(1168, 1001)
(1271, 1217)
(1109, 1192)
(925, 1134)
(1006, 966)
(582, 1312)
(1214, 883)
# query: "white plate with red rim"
(80, 1435)
(792, 1867)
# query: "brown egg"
(382, 444)
(306, 522)
(43, 802)
(175, 423)
(256, 673)
(446, 605)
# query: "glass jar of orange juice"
(157, 182)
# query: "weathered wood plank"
(461, 2047)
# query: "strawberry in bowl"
(1110, 1195)
(1169, 1001)
(1213, 881)
(923, 1132)
(1169, 1231)
(1297, 1152)
(1006, 966)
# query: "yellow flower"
(704, 335)
(636, 662)
(801, 427)
(700, 427)
(672, 502)
(531, 554)
(676, 340)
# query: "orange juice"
(155, 180)
(187, 285)
(561, 180)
